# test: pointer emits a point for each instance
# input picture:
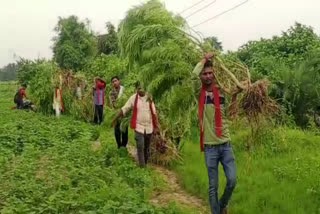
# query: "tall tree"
(74, 44)
(108, 43)
(291, 47)
(298, 88)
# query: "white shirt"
(120, 91)
(144, 118)
(57, 100)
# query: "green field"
(281, 173)
(50, 165)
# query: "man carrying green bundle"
(214, 134)
(143, 121)
(115, 93)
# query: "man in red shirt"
(20, 95)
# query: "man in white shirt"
(143, 121)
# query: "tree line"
(148, 45)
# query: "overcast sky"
(27, 25)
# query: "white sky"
(27, 25)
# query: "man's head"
(115, 81)
(140, 89)
(24, 86)
(97, 79)
(206, 75)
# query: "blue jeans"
(213, 155)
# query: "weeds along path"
(173, 191)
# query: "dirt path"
(174, 192)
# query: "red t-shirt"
(22, 93)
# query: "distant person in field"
(143, 121)
(98, 99)
(214, 134)
(57, 101)
(20, 96)
(115, 93)
(78, 91)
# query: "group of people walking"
(143, 121)
(215, 139)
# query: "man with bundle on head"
(98, 99)
(115, 93)
(143, 121)
(214, 134)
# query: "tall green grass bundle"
(83, 108)
(42, 86)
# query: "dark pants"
(98, 114)
(143, 144)
(121, 137)
(20, 104)
(213, 155)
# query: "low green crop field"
(50, 165)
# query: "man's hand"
(208, 55)
(113, 123)
(156, 131)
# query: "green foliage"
(146, 26)
(153, 40)
(214, 42)
(105, 66)
(27, 69)
(291, 62)
(298, 89)
(74, 43)
(42, 85)
(9, 72)
(292, 47)
(108, 43)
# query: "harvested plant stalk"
(256, 101)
